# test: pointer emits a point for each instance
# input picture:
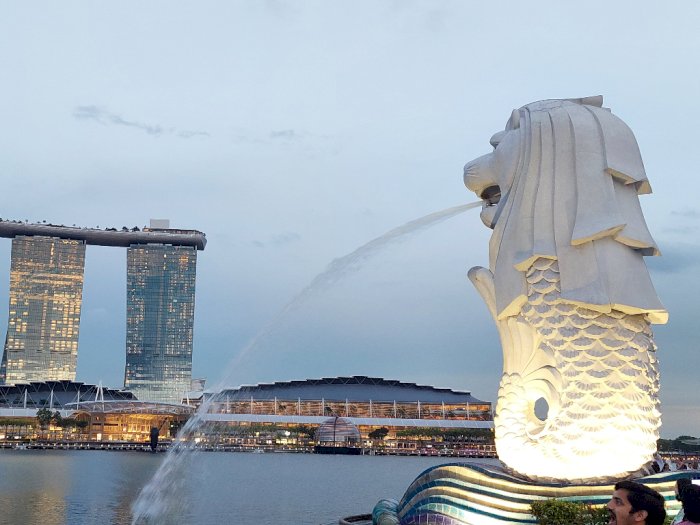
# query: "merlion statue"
(570, 293)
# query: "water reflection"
(71, 487)
(33, 495)
(99, 487)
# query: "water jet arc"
(158, 499)
(342, 266)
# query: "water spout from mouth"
(158, 501)
(352, 262)
(491, 195)
(339, 268)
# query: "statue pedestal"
(476, 494)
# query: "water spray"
(158, 502)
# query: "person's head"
(681, 484)
(636, 504)
(691, 503)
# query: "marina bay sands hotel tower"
(46, 285)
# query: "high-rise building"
(46, 289)
(160, 320)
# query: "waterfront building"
(396, 409)
(46, 287)
(354, 397)
(87, 413)
(130, 420)
(56, 395)
(160, 320)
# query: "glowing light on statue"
(569, 291)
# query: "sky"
(292, 133)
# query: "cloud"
(293, 134)
(688, 213)
(276, 136)
(687, 229)
(285, 134)
(106, 118)
(685, 222)
(278, 239)
(285, 238)
(675, 258)
(190, 134)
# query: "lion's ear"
(514, 120)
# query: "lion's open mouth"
(491, 195)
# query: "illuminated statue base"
(474, 494)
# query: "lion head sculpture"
(563, 183)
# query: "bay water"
(57, 487)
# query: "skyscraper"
(160, 318)
(46, 289)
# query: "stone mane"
(572, 195)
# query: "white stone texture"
(570, 292)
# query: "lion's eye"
(491, 195)
(497, 138)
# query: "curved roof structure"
(74, 396)
(57, 394)
(352, 388)
(108, 237)
(131, 407)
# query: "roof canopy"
(352, 388)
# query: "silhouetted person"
(681, 484)
(690, 496)
(154, 438)
(636, 504)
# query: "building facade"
(88, 413)
(46, 288)
(357, 398)
(160, 321)
(392, 417)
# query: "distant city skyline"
(294, 132)
(45, 298)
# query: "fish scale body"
(599, 375)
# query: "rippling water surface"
(86, 487)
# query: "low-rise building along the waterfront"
(371, 404)
(77, 412)
(357, 397)
(389, 416)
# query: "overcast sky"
(292, 133)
